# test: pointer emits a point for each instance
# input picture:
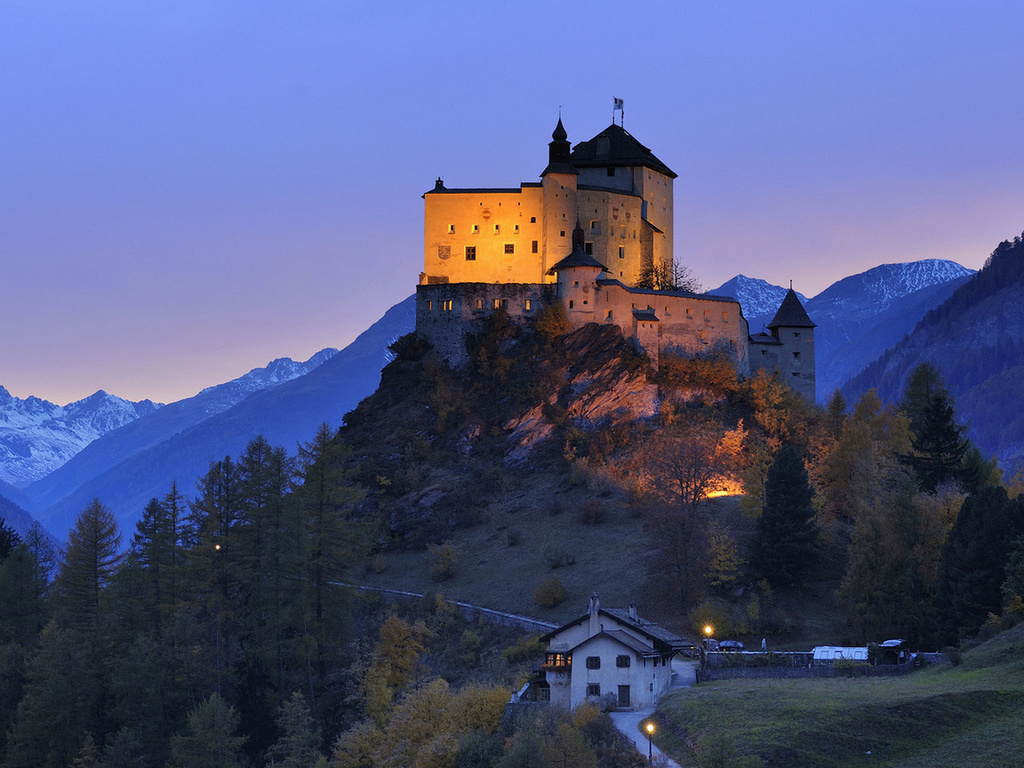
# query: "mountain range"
(858, 318)
(285, 403)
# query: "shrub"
(524, 649)
(443, 558)
(556, 557)
(549, 593)
(953, 654)
(592, 512)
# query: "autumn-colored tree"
(394, 664)
(725, 563)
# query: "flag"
(618, 104)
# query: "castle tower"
(558, 182)
(577, 275)
(794, 330)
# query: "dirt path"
(631, 723)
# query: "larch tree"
(210, 740)
(784, 545)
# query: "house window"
(622, 661)
(533, 246)
(451, 229)
(593, 689)
(510, 248)
(593, 662)
(470, 253)
(588, 247)
(444, 252)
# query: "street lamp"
(650, 750)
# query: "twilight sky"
(189, 189)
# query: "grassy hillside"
(940, 717)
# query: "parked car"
(731, 646)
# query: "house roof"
(791, 313)
(615, 147)
(622, 638)
(662, 640)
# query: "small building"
(609, 655)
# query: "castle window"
(595, 227)
(622, 661)
(764, 351)
(704, 336)
(444, 252)
(430, 306)
(561, 233)
(516, 229)
(593, 662)
(609, 315)
(528, 305)
(533, 219)
(533, 246)
(622, 251)
(570, 303)
(451, 229)
(707, 315)
(593, 689)
(476, 228)
(796, 335)
(622, 231)
(479, 303)
(510, 248)
(688, 312)
(725, 317)
(611, 171)
(470, 253)
(446, 305)
(497, 229)
(796, 355)
(588, 247)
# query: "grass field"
(941, 717)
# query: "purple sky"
(190, 189)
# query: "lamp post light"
(650, 750)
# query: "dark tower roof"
(558, 152)
(791, 313)
(579, 257)
(614, 147)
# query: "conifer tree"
(9, 539)
(209, 740)
(784, 546)
(937, 440)
(92, 555)
(299, 745)
(974, 558)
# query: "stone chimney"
(632, 612)
(595, 606)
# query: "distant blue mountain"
(286, 415)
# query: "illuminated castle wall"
(601, 214)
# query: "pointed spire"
(559, 149)
(791, 313)
(559, 134)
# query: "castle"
(597, 226)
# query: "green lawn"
(971, 715)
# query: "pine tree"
(974, 558)
(210, 740)
(299, 744)
(92, 555)
(784, 546)
(9, 539)
(937, 440)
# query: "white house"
(608, 651)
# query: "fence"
(788, 666)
